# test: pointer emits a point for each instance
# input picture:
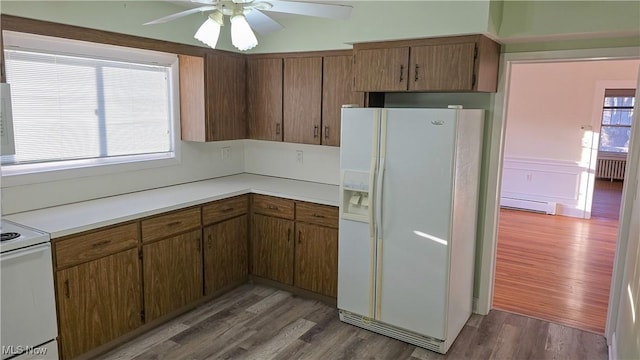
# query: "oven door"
(27, 300)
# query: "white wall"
(319, 163)
(198, 161)
(552, 127)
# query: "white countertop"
(70, 219)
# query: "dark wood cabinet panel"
(337, 90)
(323, 215)
(273, 206)
(212, 97)
(172, 273)
(95, 244)
(225, 254)
(98, 301)
(225, 209)
(316, 254)
(226, 97)
(302, 107)
(193, 125)
(264, 99)
(170, 223)
(381, 70)
(455, 63)
(444, 67)
(272, 248)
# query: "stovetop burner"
(9, 236)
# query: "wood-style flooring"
(256, 322)
(558, 268)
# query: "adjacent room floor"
(558, 268)
(256, 322)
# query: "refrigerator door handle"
(378, 198)
(372, 177)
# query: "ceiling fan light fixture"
(209, 31)
(242, 37)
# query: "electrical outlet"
(299, 156)
(226, 153)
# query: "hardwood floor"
(559, 268)
(256, 322)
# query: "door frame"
(490, 212)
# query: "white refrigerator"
(408, 209)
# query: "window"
(77, 104)
(617, 116)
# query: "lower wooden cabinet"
(98, 301)
(272, 248)
(172, 273)
(316, 259)
(225, 254)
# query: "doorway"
(557, 268)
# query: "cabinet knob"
(278, 129)
(401, 73)
(315, 131)
(67, 291)
(326, 132)
(416, 73)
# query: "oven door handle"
(22, 252)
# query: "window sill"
(16, 175)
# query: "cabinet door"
(192, 98)
(337, 90)
(225, 94)
(264, 99)
(172, 273)
(225, 254)
(302, 100)
(382, 69)
(98, 301)
(445, 67)
(316, 265)
(272, 248)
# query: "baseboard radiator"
(612, 169)
(543, 207)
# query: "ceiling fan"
(246, 15)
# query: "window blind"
(71, 107)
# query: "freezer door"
(417, 151)
(356, 234)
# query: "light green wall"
(124, 17)
(630, 41)
(495, 16)
(378, 20)
(536, 18)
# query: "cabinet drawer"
(94, 245)
(273, 206)
(173, 223)
(322, 215)
(224, 209)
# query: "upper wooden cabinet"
(264, 98)
(302, 104)
(337, 90)
(212, 97)
(382, 69)
(458, 63)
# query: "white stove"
(27, 300)
(14, 236)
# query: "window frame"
(22, 174)
(603, 154)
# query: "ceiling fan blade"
(329, 11)
(181, 14)
(262, 23)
